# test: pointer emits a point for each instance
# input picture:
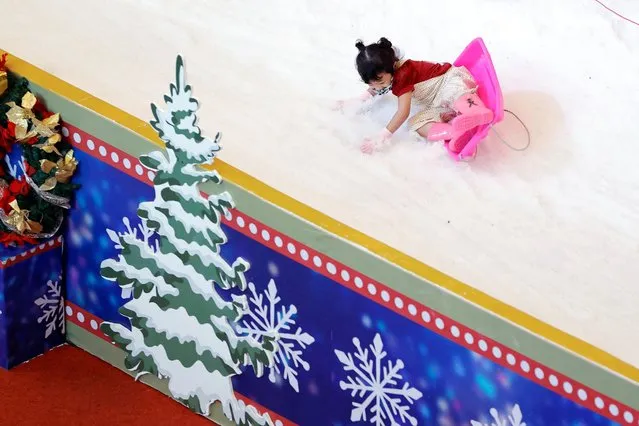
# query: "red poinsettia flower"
(7, 198)
(19, 186)
(40, 111)
(32, 141)
(6, 139)
(14, 186)
(5, 146)
(24, 186)
(11, 128)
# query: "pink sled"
(477, 60)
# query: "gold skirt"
(437, 96)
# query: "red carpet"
(68, 386)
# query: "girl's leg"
(444, 132)
(427, 124)
(423, 131)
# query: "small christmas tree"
(180, 325)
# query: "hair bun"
(384, 42)
(360, 45)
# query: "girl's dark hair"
(374, 59)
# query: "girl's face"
(383, 81)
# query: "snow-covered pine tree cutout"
(180, 326)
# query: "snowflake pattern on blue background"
(264, 319)
(375, 384)
(52, 306)
(515, 418)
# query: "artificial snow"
(553, 231)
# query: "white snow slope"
(553, 230)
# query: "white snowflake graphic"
(514, 419)
(375, 385)
(52, 306)
(264, 319)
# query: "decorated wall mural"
(229, 309)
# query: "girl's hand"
(379, 141)
(338, 105)
(368, 146)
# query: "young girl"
(446, 95)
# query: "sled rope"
(617, 13)
(467, 160)
(525, 147)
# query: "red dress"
(412, 72)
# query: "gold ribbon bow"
(19, 219)
(47, 126)
(22, 115)
(65, 168)
(49, 144)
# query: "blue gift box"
(31, 301)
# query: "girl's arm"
(383, 138)
(403, 111)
